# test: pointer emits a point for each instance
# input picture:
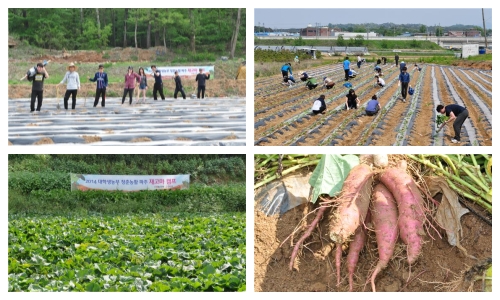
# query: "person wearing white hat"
(402, 65)
(72, 80)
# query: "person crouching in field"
(158, 85)
(457, 114)
(303, 76)
(379, 81)
(201, 78)
(143, 85)
(311, 83)
(288, 80)
(352, 100)
(130, 79)
(328, 83)
(373, 106)
(178, 86)
(37, 86)
(285, 69)
(72, 80)
(319, 106)
(102, 82)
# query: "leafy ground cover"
(134, 252)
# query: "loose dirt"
(440, 268)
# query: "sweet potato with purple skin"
(353, 207)
(410, 207)
(384, 217)
(355, 248)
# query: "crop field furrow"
(405, 127)
(470, 131)
(330, 129)
(304, 110)
(363, 89)
(481, 77)
(274, 105)
(308, 126)
(475, 87)
(284, 118)
(336, 130)
(383, 128)
(422, 135)
(479, 114)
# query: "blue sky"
(301, 17)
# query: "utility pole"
(485, 38)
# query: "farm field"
(137, 252)
(191, 122)
(282, 115)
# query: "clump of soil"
(231, 137)
(180, 138)
(91, 138)
(44, 141)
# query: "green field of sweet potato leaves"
(136, 252)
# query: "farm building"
(315, 31)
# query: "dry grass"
(44, 141)
(180, 138)
(91, 139)
(141, 139)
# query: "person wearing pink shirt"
(130, 79)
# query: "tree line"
(221, 30)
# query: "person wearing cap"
(242, 72)
(72, 80)
(178, 86)
(129, 86)
(402, 65)
(319, 105)
(37, 86)
(347, 67)
(303, 76)
(285, 69)
(379, 81)
(328, 83)
(158, 86)
(201, 78)
(373, 106)
(404, 81)
(296, 59)
(102, 82)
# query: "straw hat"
(72, 65)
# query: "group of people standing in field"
(132, 81)
(457, 113)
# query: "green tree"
(340, 41)
(359, 40)
(422, 29)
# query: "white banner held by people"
(84, 182)
(184, 72)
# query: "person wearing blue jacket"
(102, 82)
(286, 68)
(402, 65)
(347, 67)
(404, 81)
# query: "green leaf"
(329, 175)
(208, 269)
(93, 287)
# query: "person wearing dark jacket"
(404, 81)
(37, 86)
(396, 58)
(158, 85)
(457, 114)
(178, 86)
(102, 82)
(319, 106)
(402, 65)
(201, 78)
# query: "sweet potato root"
(410, 207)
(384, 216)
(355, 247)
(353, 207)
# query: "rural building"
(315, 31)
(467, 33)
